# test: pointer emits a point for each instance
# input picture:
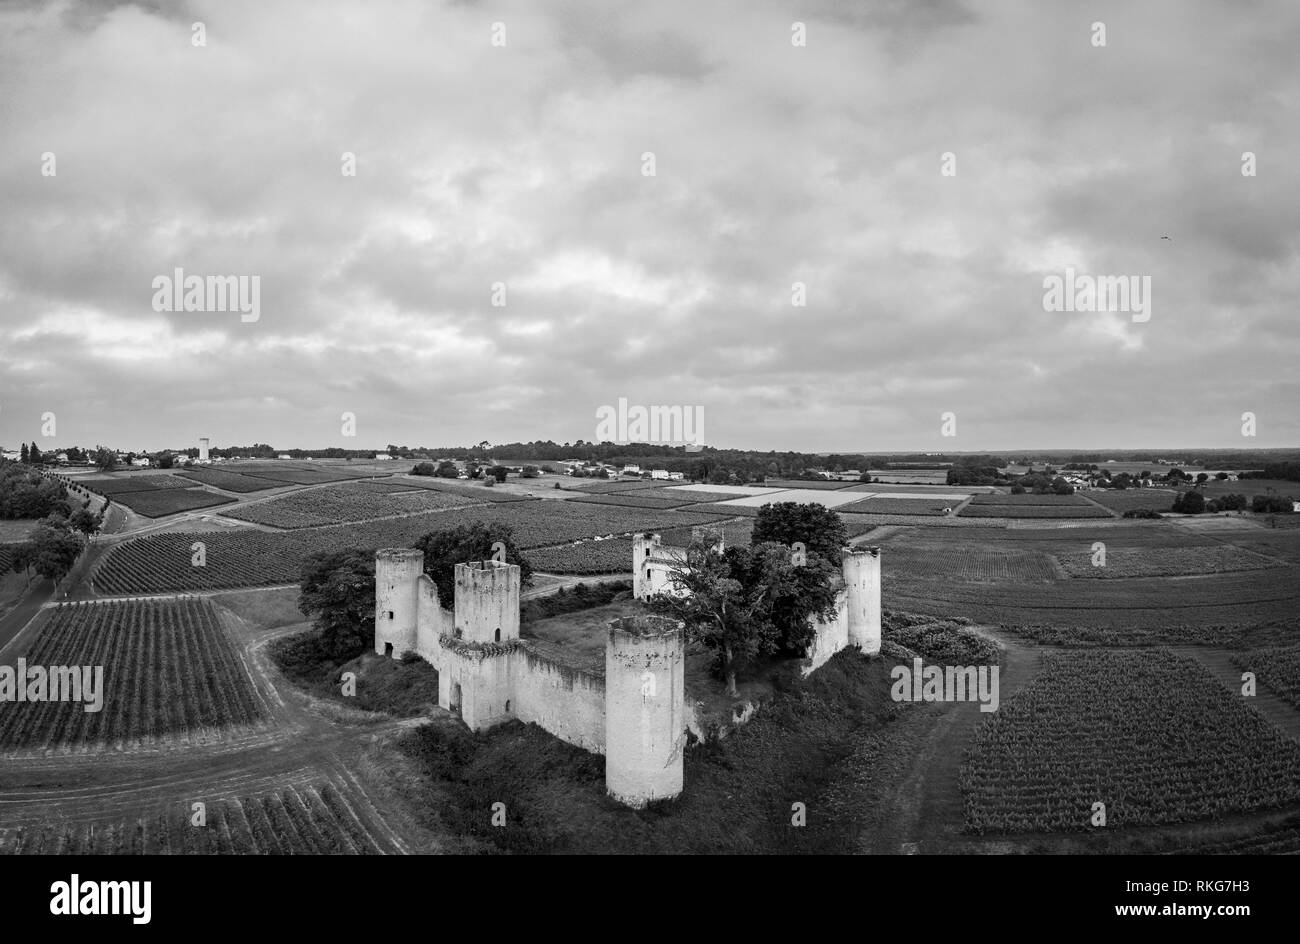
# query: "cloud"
(479, 164)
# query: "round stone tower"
(645, 547)
(487, 601)
(862, 586)
(645, 696)
(397, 576)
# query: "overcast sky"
(774, 164)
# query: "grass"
(403, 688)
(577, 598)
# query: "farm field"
(1033, 511)
(1065, 534)
(134, 483)
(733, 532)
(814, 485)
(386, 486)
(984, 564)
(313, 819)
(168, 668)
(1130, 499)
(831, 498)
(901, 506)
(1006, 498)
(229, 481)
(633, 500)
(1279, 544)
(6, 558)
(490, 493)
(168, 501)
(1124, 562)
(299, 474)
(1251, 488)
(334, 504)
(613, 556)
(951, 491)
(1277, 667)
(910, 476)
(1154, 737)
(681, 494)
(257, 558)
(1150, 602)
(727, 509)
(860, 523)
(605, 486)
(923, 571)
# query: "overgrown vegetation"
(576, 598)
(945, 642)
(405, 687)
(738, 792)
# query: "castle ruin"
(636, 714)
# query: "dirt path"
(928, 809)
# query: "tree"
(717, 609)
(337, 591)
(820, 530)
(1017, 489)
(795, 594)
(443, 550)
(1270, 503)
(34, 454)
(530, 472)
(1221, 476)
(1189, 503)
(105, 459)
(24, 556)
(86, 522)
(24, 456)
(447, 470)
(424, 468)
(1202, 478)
(166, 460)
(499, 473)
(53, 551)
(747, 602)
